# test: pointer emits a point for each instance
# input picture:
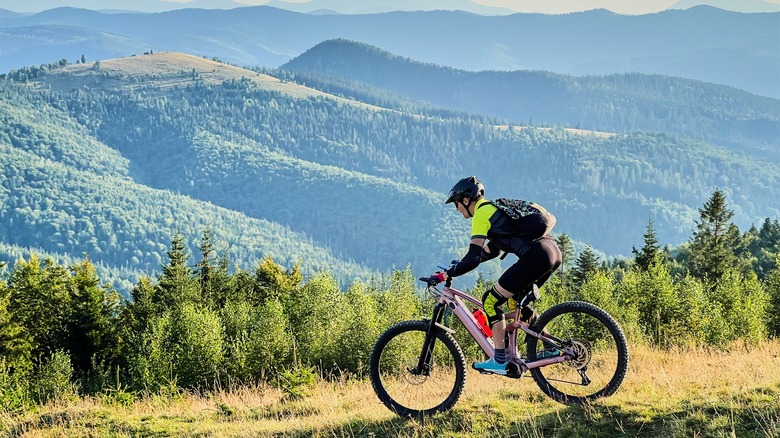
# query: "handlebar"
(432, 282)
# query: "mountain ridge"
(615, 103)
(666, 43)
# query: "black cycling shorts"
(536, 265)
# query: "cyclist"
(493, 231)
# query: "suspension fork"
(424, 363)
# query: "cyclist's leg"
(493, 301)
(536, 265)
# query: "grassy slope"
(696, 393)
(164, 70)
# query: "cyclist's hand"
(438, 277)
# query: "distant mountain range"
(731, 5)
(703, 43)
(371, 6)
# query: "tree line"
(200, 323)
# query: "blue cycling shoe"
(492, 367)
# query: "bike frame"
(459, 302)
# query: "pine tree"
(177, 282)
(15, 344)
(91, 320)
(764, 246)
(204, 269)
(39, 301)
(650, 250)
(567, 250)
(715, 241)
(587, 263)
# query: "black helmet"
(468, 187)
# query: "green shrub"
(360, 328)
(54, 380)
(296, 383)
(314, 313)
(184, 346)
(14, 389)
(269, 346)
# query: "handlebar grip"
(430, 281)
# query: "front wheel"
(408, 389)
(594, 346)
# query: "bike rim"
(593, 356)
(417, 391)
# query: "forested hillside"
(723, 115)
(109, 158)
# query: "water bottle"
(479, 315)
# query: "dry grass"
(161, 71)
(677, 393)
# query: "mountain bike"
(575, 352)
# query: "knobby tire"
(385, 378)
(601, 329)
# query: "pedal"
(513, 371)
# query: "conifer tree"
(177, 284)
(716, 240)
(39, 301)
(650, 250)
(15, 345)
(765, 246)
(212, 272)
(587, 263)
(567, 254)
(91, 321)
(567, 250)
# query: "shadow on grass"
(755, 413)
(64, 421)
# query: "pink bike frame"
(457, 301)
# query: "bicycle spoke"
(411, 392)
(594, 348)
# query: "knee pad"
(492, 302)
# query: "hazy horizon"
(522, 6)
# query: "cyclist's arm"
(471, 260)
(489, 252)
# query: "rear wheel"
(407, 390)
(595, 348)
